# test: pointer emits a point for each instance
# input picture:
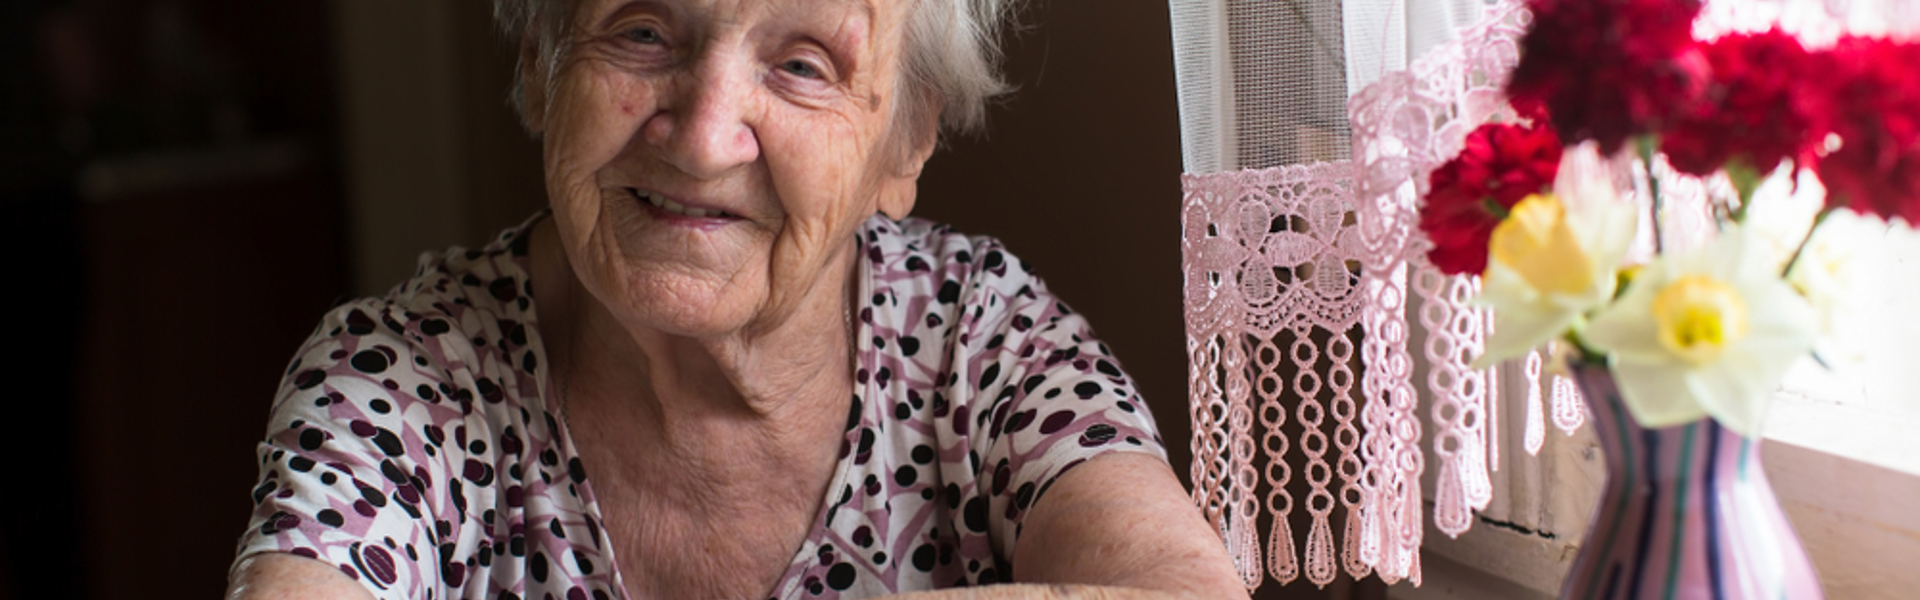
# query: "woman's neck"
(710, 459)
(781, 388)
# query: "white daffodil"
(1709, 332)
(1834, 273)
(1834, 270)
(1553, 260)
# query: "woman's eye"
(643, 35)
(801, 68)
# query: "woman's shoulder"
(966, 293)
(1007, 386)
(918, 255)
(978, 318)
(479, 295)
(417, 418)
(491, 278)
(458, 331)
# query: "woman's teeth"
(677, 208)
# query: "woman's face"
(709, 160)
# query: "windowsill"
(1859, 522)
(1867, 407)
(1882, 437)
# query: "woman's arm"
(291, 577)
(1122, 520)
(1115, 528)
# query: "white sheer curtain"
(1284, 70)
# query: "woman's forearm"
(1043, 591)
(291, 577)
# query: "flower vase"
(1686, 513)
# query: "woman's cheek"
(826, 156)
(597, 116)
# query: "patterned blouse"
(412, 443)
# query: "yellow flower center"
(1537, 243)
(1698, 317)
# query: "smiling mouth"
(671, 207)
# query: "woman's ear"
(902, 188)
(897, 199)
(531, 75)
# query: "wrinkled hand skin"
(1019, 591)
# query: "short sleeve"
(1044, 394)
(362, 463)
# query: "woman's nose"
(706, 132)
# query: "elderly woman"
(725, 364)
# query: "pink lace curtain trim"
(1297, 278)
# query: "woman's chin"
(699, 309)
(679, 281)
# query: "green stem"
(1802, 248)
(1576, 336)
(1645, 144)
(1494, 208)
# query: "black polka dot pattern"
(410, 445)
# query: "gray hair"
(950, 69)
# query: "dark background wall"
(200, 179)
(172, 224)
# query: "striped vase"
(1686, 513)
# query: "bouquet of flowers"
(1530, 207)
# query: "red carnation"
(1758, 104)
(1608, 70)
(1466, 197)
(1876, 113)
(1531, 109)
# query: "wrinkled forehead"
(860, 14)
(868, 34)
